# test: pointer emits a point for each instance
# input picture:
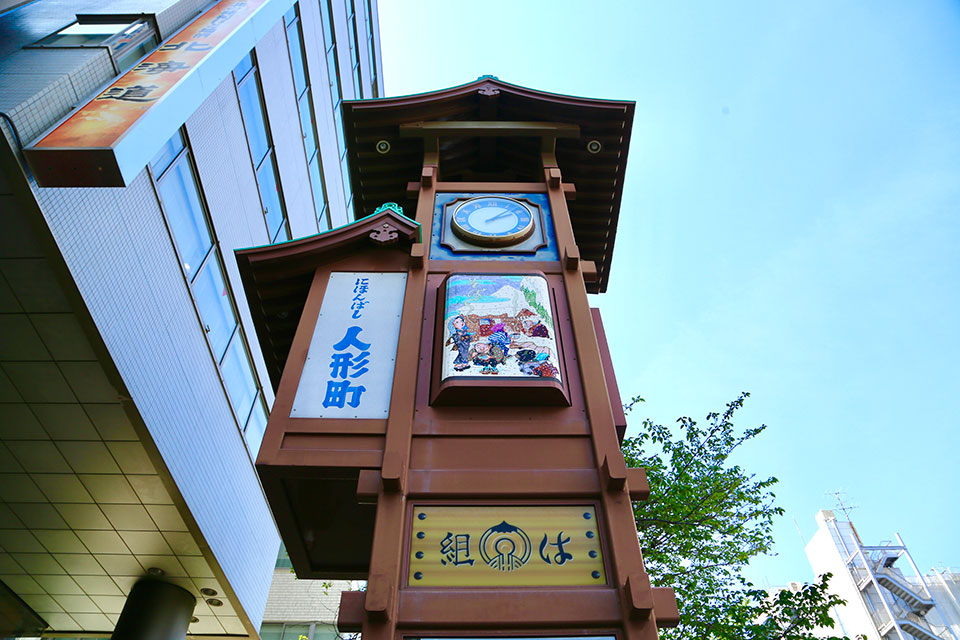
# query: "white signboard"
(350, 362)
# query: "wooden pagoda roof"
(276, 278)
(598, 177)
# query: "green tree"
(705, 519)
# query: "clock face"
(492, 221)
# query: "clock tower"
(447, 421)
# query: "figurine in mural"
(544, 368)
(526, 358)
(535, 361)
(460, 336)
(534, 328)
(499, 341)
(483, 355)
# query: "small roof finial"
(389, 206)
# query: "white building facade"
(133, 394)
(888, 598)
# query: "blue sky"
(789, 227)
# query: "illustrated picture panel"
(498, 325)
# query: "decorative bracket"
(385, 234)
(391, 472)
(614, 473)
(639, 595)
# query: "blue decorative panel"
(440, 218)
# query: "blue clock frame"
(440, 250)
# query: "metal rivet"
(419, 555)
(156, 572)
(594, 146)
(208, 592)
(422, 516)
(596, 574)
(592, 554)
(421, 535)
(587, 515)
(417, 575)
(383, 147)
(589, 534)
(194, 619)
(213, 602)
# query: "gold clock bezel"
(492, 241)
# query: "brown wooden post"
(386, 557)
(637, 603)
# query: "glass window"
(238, 377)
(345, 173)
(296, 632)
(256, 124)
(181, 200)
(256, 425)
(325, 632)
(319, 193)
(261, 148)
(327, 20)
(296, 59)
(354, 49)
(334, 78)
(371, 54)
(213, 301)
(270, 196)
(167, 153)
(306, 124)
(85, 33)
(271, 631)
(338, 123)
(243, 67)
(283, 558)
(127, 37)
(127, 60)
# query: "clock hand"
(498, 216)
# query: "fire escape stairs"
(918, 602)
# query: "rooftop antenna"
(839, 495)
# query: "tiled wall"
(303, 600)
(149, 325)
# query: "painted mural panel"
(350, 362)
(499, 325)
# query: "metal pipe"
(914, 565)
(155, 610)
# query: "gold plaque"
(480, 546)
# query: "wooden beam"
(484, 128)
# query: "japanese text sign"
(349, 368)
(481, 546)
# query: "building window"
(126, 38)
(298, 631)
(181, 200)
(336, 94)
(354, 50)
(264, 160)
(371, 53)
(301, 86)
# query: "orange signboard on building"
(85, 148)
